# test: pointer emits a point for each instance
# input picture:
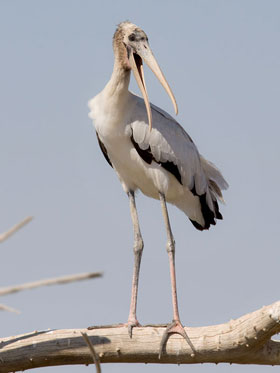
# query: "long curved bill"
(135, 59)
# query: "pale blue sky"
(222, 61)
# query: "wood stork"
(150, 151)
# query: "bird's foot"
(175, 327)
(131, 323)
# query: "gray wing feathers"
(168, 141)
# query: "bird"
(151, 152)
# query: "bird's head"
(132, 48)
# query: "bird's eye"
(131, 37)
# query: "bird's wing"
(104, 150)
(170, 145)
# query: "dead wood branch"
(50, 281)
(3, 307)
(15, 228)
(94, 355)
(246, 340)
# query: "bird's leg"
(176, 325)
(138, 249)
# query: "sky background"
(222, 61)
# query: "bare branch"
(15, 228)
(50, 281)
(3, 307)
(246, 340)
(95, 357)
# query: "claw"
(130, 325)
(174, 327)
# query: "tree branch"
(94, 355)
(49, 281)
(3, 307)
(15, 228)
(246, 340)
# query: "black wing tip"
(197, 225)
(218, 215)
(208, 215)
(200, 227)
(104, 150)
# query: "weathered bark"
(246, 340)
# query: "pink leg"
(176, 325)
(138, 249)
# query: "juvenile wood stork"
(150, 151)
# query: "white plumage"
(150, 151)
(116, 122)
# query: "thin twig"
(93, 353)
(15, 228)
(3, 307)
(50, 281)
